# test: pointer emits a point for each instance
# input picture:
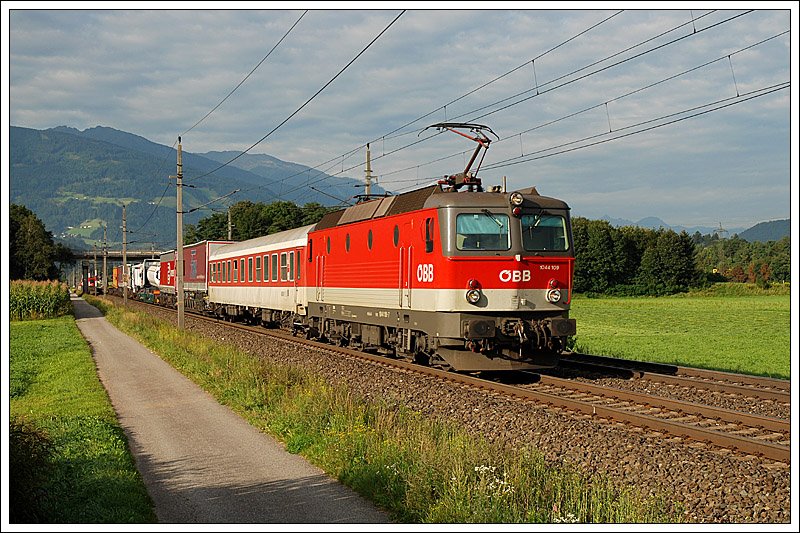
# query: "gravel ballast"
(713, 485)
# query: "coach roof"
(284, 239)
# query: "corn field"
(36, 300)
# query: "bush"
(36, 300)
(29, 469)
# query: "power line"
(695, 32)
(307, 101)
(636, 56)
(389, 135)
(351, 152)
(163, 194)
(737, 100)
(248, 75)
(620, 97)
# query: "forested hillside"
(78, 181)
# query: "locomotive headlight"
(553, 295)
(474, 296)
(516, 198)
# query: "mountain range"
(772, 230)
(78, 181)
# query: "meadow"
(419, 469)
(735, 329)
(69, 460)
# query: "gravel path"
(713, 485)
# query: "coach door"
(405, 276)
(319, 278)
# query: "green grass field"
(716, 330)
(63, 422)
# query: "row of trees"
(631, 260)
(608, 260)
(637, 261)
(250, 220)
(738, 260)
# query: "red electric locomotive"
(473, 279)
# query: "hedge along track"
(764, 388)
(731, 429)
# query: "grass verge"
(728, 329)
(69, 459)
(420, 470)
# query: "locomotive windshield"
(482, 231)
(544, 232)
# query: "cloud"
(155, 73)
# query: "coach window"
(235, 270)
(297, 270)
(328, 244)
(347, 243)
(266, 267)
(241, 269)
(230, 272)
(283, 267)
(291, 266)
(369, 239)
(258, 268)
(429, 234)
(250, 269)
(396, 235)
(274, 267)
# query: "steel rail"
(706, 411)
(741, 443)
(726, 382)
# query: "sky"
(625, 112)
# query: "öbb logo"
(515, 275)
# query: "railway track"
(746, 433)
(725, 382)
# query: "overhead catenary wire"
(307, 101)
(484, 85)
(596, 71)
(674, 118)
(248, 75)
(598, 105)
(163, 194)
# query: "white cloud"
(156, 72)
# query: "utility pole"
(230, 227)
(124, 259)
(94, 265)
(179, 247)
(368, 187)
(105, 258)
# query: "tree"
(669, 265)
(32, 253)
(597, 261)
(251, 220)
